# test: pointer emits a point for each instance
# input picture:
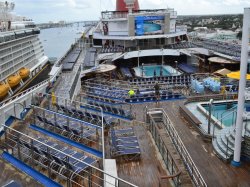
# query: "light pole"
(138, 58)
(210, 115)
(162, 56)
(242, 86)
(142, 69)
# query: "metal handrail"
(174, 163)
(180, 147)
(228, 110)
(43, 83)
(102, 117)
(78, 160)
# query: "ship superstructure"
(21, 52)
(130, 31)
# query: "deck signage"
(145, 25)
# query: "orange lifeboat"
(14, 80)
(4, 88)
(24, 72)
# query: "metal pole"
(242, 86)
(210, 114)
(162, 56)
(103, 148)
(138, 58)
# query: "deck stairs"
(223, 143)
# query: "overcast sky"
(75, 10)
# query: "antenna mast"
(5, 16)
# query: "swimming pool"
(155, 70)
(223, 112)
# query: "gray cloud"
(71, 10)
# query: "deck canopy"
(220, 60)
(152, 52)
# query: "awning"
(222, 72)
(236, 75)
(220, 60)
(152, 52)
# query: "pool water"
(152, 71)
(224, 112)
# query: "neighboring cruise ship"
(21, 52)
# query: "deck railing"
(31, 89)
(12, 139)
(180, 147)
(167, 156)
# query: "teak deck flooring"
(215, 172)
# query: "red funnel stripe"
(121, 5)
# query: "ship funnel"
(127, 5)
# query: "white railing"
(11, 137)
(24, 93)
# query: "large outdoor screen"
(145, 25)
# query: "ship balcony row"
(20, 47)
(15, 55)
(15, 45)
(107, 15)
(16, 61)
(13, 35)
(23, 63)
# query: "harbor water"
(56, 41)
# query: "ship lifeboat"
(24, 73)
(14, 80)
(4, 88)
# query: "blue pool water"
(224, 112)
(151, 71)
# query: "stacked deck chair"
(124, 144)
(85, 115)
(59, 159)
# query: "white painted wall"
(172, 25)
(118, 28)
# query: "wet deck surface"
(147, 171)
(214, 171)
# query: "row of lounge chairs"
(103, 99)
(222, 47)
(86, 116)
(187, 68)
(180, 45)
(58, 158)
(185, 79)
(124, 144)
(151, 97)
(112, 94)
(112, 49)
(72, 130)
(112, 109)
(126, 72)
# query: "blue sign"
(149, 18)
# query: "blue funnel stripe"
(68, 141)
(30, 171)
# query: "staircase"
(223, 144)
